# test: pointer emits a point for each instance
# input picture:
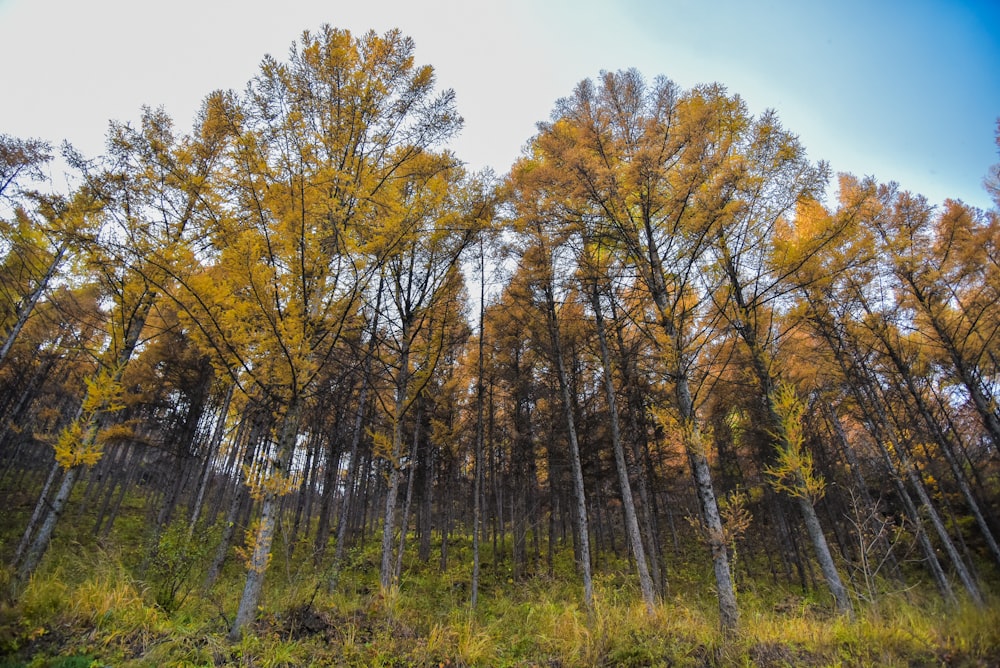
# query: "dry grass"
(95, 605)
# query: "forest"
(295, 387)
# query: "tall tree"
(319, 149)
(591, 269)
(30, 250)
(769, 178)
(145, 194)
(424, 245)
(651, 162)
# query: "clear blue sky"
(905, 90)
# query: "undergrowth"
(96, 605)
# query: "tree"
(21, 159)
(424, 245)
(539, 262)
(30, 258)
(305, 213)
(768, 178)
(144, 196)
(631, 519)
(841, 286)
(653, 165)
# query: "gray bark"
(210, 452)
(631, 521)
(270, 508)
(693, 442)
(24, 312)
(477, 483)
(574, 447)
(392, 492)
(41, 542)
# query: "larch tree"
(31, 249)
(650, 161)
(766, 177)
(424, 238)
(927, 263)
(591, 269)
(543, 257)
(848, 290)
(319, 148)
(141, 200)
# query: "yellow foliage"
(104, 393)
(382, 445)
(276, 484)
(793, 472)
(77, 446)
(116, 432)
(247, 553)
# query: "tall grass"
(96, 601)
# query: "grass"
(92, 605)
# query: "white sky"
(905, 90)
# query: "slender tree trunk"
(392, 491)
(960, 478)
(824, 557)
(576, 468)
(211, 449)
(24, 312)
(881, 430)
(18, 415)
(130, 471)
(447, 501)
(305, 489)
(40, 506)
(908, 381)
(631, 521)
(331, 502)
(350, 489)
(41, 542)
(411, 480)
(130, 339)
(694, 443)
(767, 385)
(640, 455)
(270, 509)
(935, 517)
(427, 498)
(352, 484)
(861, 485)
(477, 484)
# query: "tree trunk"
(211, 450)
(40, 506)
(24, 312)
(410, 482)
(576, 468)
(743, 323)
(693, 442)
(41, 542)
(130, 339)
(477, 473)
(270, 509)
(631, 521)
(880, 429)
(392, 491)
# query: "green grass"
(92, 604)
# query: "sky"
(902, 90)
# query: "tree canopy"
(266, 329)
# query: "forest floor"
(108, 603)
